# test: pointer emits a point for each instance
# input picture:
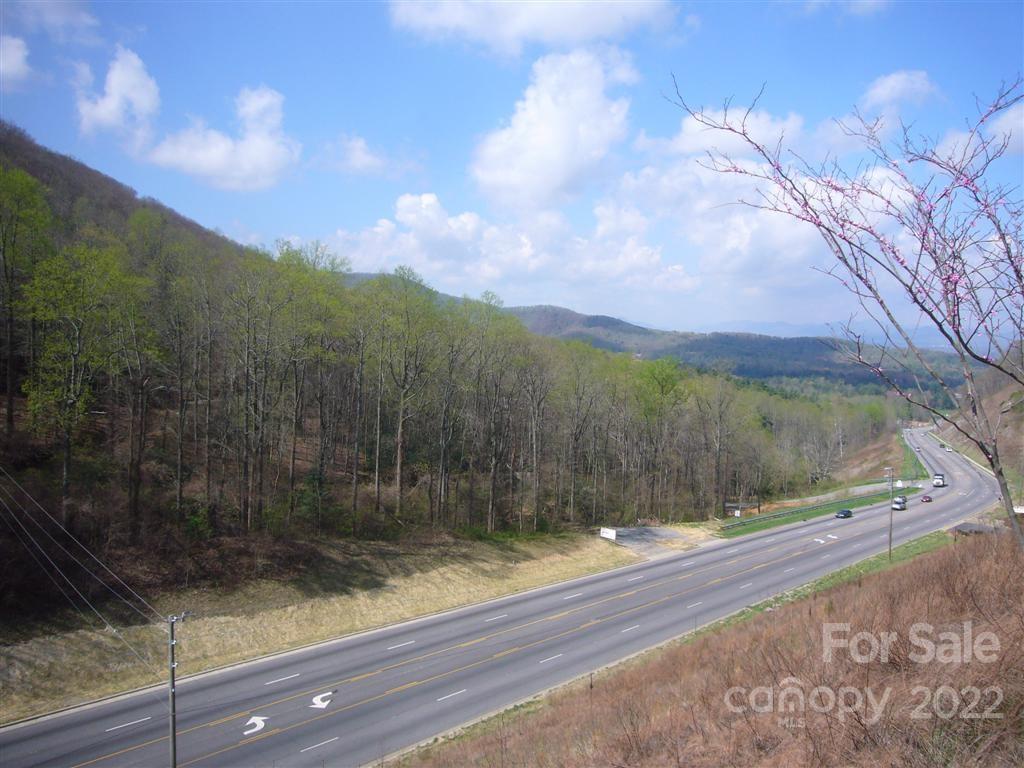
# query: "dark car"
(926, 498)
(844, 513)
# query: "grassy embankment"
(668, 707)
(372, 585)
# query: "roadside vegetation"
(669, 707)
(168, 391)
(343, 587)
(807, 513)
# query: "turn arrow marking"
(257, 724)
(321, 701)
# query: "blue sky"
(526, 149)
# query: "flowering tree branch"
(914, 223)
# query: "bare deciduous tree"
(915, 223)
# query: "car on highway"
(948, 449)
(844, 513)
(926, 499)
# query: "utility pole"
(171, 665)
(889, 471)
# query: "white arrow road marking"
(820, 541)
(322, 700)
(318, 745)
(452, 694)
(832, 536)
(257, 724)
(282, 679)
(635, 578)
(125, 725)
(788, 570)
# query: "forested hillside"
(791, 363)
(162, 378)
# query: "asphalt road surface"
(356, 700)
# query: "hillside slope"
(742, 354)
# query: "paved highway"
(356, 700)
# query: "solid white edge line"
(630, 629)
(550, 658)
(319, 745)
(125, 725)
(282, 679)
(495, 618)
(452, 694)
(570, 597)
(401, 645)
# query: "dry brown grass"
(54, 671)
(669, 708)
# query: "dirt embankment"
(764, 693)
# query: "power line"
(103, 565)
(74, 559)
(78, 592)
(42, 567)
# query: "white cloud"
(561, 130)
(353, 155)
(694, 138)
(890, 91)
(1010, 123)
(505, 27)
(453, 251)
(129, 101)
(254, 160)
(14, 67)
(63, 20)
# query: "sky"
(528, 149)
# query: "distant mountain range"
(77, 192)
(743, 354)
(751, 355)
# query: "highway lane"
(353, 701)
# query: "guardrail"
(799, 510)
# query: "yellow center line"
(466, 644)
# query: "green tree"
(76, 294)
(24, 226)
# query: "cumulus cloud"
(505, 27)
(1010, 123)
(561, 130)
(129, 101)
(14, 67)
(902, 87)
(255, 159)
(455, 250)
